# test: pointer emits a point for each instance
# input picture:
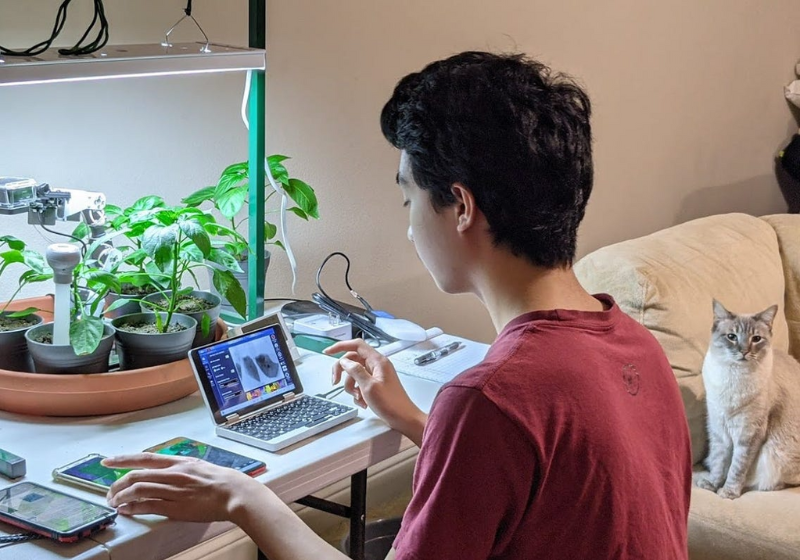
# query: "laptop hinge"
(232, 419)
(289, 396)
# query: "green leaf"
(199, 197)
(160, 243)
(231, 201)
(277, 170)
(117, 303)
(192, 253)
(148, 203)
(13, 256)
(192, 229)
(225, 259)
(205, 324)
(12, 242)
(298, 212)
(279, 244)
(81, 231)
(33, 276)
(270, 231)
(85, 335)
(22, 312)
(227, 284)
(34, 260)
(304, 196)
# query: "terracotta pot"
(94, 394)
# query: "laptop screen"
(245, 371)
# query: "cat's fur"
(753, 399)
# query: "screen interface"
(221, 457)
(50, 509)
(246, 370)
(93, 471)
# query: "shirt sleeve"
(472, 484)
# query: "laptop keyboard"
(302, 412)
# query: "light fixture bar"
(122, 61)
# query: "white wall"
(687, 98)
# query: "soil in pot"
(14, 355)
(197, 305)
(139, 344)
(62, 359)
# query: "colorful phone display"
(186, 447)
(51, 513)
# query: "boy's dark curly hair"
(512, 132)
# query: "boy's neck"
(514, 287)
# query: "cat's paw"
(729, 493)
(704, 481)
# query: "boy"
(569, 440)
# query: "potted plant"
(14, 354)
(138, 276)
(230, 195)
(90, 338)
(177, 241)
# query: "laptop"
(251, 387)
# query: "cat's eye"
(757, 339)
(731, 336)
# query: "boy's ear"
(465, 207)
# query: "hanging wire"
(61, 17)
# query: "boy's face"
(434, 234)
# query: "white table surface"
(295, 472)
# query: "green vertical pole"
(256, 272)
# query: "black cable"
(61, 17)
(39, 48)
(54, 232)
(364, 302)
(18, 538)
(102, 35)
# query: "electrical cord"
(18, 538)
(54, 232)
(61, 17)
(365, 322)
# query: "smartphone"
(52, 514)
(89, 473)
(186, 447)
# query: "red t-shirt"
(568, 441)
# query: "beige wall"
(687, 97)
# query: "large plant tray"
(94, 394)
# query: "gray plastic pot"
(140, 350)
(48, 358)
(14, 355)
(127, 309)
(213, 313)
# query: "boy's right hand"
(372, 381)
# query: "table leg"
(358, 514)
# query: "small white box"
(321, 325)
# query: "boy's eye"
(731, 336)
(757, 339)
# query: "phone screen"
(92, 471)
(190, 448)
(57, 512)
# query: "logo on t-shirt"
(631, 378)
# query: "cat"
(753, 400)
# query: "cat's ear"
(767, 316)
(720, 312)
